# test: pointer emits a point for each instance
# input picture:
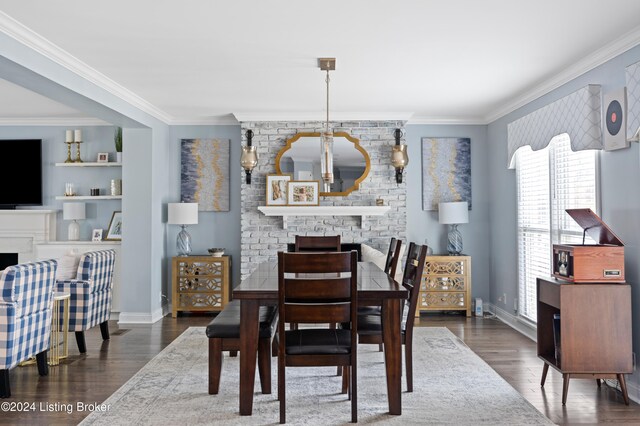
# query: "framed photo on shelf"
(277, 190)
(96, 235)
(303, 193)
(103, 157)
(114, 232)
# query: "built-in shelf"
(109, 164)
(89, 197)
(286, 211)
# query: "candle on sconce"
(69, 136)
(78, 136)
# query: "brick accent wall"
(262, 236)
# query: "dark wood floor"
(93, 377)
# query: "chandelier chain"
(327, 124)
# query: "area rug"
(452, 385)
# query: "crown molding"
(319, 116)
(33, 40)
(461, 121)
(597, 58)
(220, 120)
(52, 121)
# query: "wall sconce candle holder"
(249, 157)
(399, 157)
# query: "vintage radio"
(596, 263)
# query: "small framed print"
(277, 190)
(303, 193)
(114, 232)
(103, 157)
(96, 235)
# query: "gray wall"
(95, 139)
(423, 226)
(620, 198)
(214, 229)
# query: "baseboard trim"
(528, 330)
(141, 317)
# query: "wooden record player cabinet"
(595, 331)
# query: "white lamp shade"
(453, 213)
(73, 211)
(183, 213)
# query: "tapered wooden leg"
(104, 329)
(264, 364)
(5, 386)
(345, 379)
(43, 366)
(545, 370)
(408, 355)
(598, 382)
(353, 391)
(215, 365)
(565, 387)
(392, 353)
(249, 324)
(281, 387)
(82, 346)
(623, 388)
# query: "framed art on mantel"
(446, 171)
(303, 193)
(277, 190)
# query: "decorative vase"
(119, 157)
(116, 186)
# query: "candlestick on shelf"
(69, 160)
(78, 160)
(78, 136)
(69, 136)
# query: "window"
(549, 181)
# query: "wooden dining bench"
(224, 335)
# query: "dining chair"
(318, 289)
(317, 243)
(370, 326)
(390, 267)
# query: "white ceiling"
(424, 60)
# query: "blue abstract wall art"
(446, 171)
(205, 173)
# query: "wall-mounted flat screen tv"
(20, 173)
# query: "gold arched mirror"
(300, 158)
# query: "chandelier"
(326, 137)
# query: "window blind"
(549, 181)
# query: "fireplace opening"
(8, 259)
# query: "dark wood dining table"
(375, 288)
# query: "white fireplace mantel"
(286, 211)
(21, 230)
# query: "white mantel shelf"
(286, 211)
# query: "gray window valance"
(577, 114)
(633, 102)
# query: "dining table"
(375, 288)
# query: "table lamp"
(73, 212)
(453, 213)
(183, 214)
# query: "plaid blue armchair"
(91, 293)
(26, 304)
